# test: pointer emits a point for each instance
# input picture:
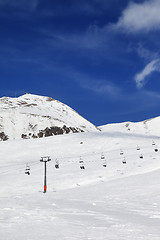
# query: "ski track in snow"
(120, 201)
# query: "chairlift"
(141, 156)
(102, 156)
(138, 148)
(82, 167)
(121, 152)
(153, 143)
(124, 161)
(56, 163)
(104, 162)
(81, 163)
(27, 171)
(156, 149)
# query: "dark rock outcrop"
(52, 131)
(3, 136)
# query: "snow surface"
(117, 202)
(31, 113)
(148, 127)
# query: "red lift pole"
(45, 160)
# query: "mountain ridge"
(35, 116)
(147, 127)
(38, 116)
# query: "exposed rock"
(52, 131)
(24, 136)
(3, 136)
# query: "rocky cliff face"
(33, 116)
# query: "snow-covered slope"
(148, 127)
(36, 116)
(114, 196)
(119, 201)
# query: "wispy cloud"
(76, 7)
(99, 86)
(140, 17)
(147, 54)
(25, 5)
(104, 88)
(140, 78)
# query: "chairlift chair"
(153, 143)
(124, 161)
(141, 156)
(102, 156)
(81, 163)
(56, 163)
(27, 171)
(138, 148)
(156, 149)
(121, 152)
(82, 167)
(104, 163)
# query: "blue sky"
(102, 58)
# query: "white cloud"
(140, 17)
(99, 86)
(140, 78)
(147, 54)
(104, 88)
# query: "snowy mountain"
(106, 185)
(32, 116)
(147, 127)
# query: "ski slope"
(146, 127)
(120, 201)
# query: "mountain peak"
(37, 116)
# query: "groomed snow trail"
(120, 201)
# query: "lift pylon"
(45, 160)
